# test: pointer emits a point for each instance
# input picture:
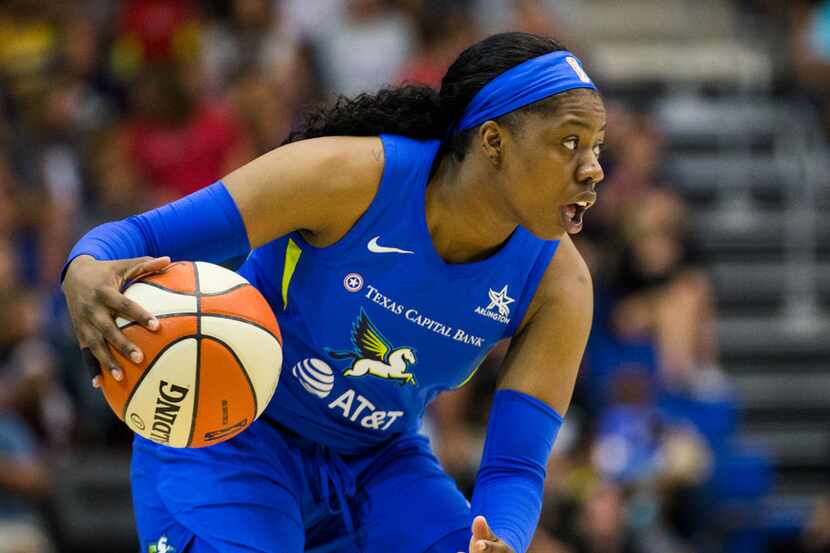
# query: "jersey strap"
(543, 259)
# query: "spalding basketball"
(212, 366)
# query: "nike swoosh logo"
(375, 248)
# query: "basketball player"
(406, 234)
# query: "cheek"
(550, 181)
(539, 185)
(543, 195)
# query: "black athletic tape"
(90, 362)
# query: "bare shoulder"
(544, 356)
(320, 186)
(352, 159)
(566, 284)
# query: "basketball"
(210, 368)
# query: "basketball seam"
(247, 321)
(164, 288)
(138, 278)
(231, 289)
(198, 313)
(148, 369)
(194, 294)
(244, 320)
(198, 353)
(244, 371)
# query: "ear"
(490, 135)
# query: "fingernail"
(153, 324)
(96, 382)
(117, 374)
(482, 546)
(136, 356)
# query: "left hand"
(483, 539)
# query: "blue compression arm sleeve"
(508, 490)
(205, 226)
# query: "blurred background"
(700, 421)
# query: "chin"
(547, 232)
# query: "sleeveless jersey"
(377, 324)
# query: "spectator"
(347, 53)
(117, 188)
(29, 50)
(153, 32)
(265, 108)
(663, 294)
(178, 141)
(810, 45)
(443, 32)
(256, 39)
(28, 393)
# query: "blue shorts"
(269, 490)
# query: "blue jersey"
(377, 324)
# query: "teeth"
(582, 204)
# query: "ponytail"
(419, 111)
(410, 110)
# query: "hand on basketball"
(483, 539)
(93, 295)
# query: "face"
(550, 164)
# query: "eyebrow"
(581, 123)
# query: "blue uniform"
(374, 327)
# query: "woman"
(418, 250)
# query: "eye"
(599, 148)
(571, 143)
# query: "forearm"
(205, 225)
(509, 486)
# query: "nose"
(590, 172)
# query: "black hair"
(421, 112)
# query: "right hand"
(93, 295)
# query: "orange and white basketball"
(210, 369)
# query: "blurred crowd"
(108, 108)
(808, 42)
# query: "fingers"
(98, 348)
(92, 365)
(133, 268)
(483, 538)
(127, 308)
(93, 296)
(100, 331)
(487, 545)
(481, 530)
(116, 338)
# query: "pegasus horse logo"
(373, 354)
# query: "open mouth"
(572, 216)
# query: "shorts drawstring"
(331, 468)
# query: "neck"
(467, 218)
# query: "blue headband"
(524, 84)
